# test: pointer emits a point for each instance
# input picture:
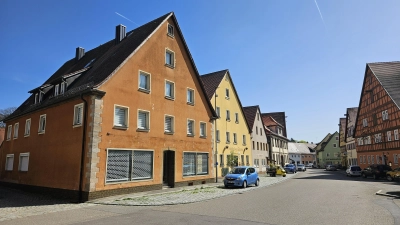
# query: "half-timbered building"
(378, 117)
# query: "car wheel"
(375, 177)
(389, 178)
(347, 174)
(363, 175)
(244, 184)
(257, 182)
(226, 186)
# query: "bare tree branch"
(4, 113)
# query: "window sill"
(27, 135)
(190, 135)
(170, 35)
(228, 120)
(234, 143)
(142, 130)
(15, 138)
(190, 103)
(76, 125)
(169, 98)
(204, 137)
(168, 132)
(41, 132)
(218, 141)
(170, 66)
(244, 144)
(237, 122)
(228, 142)
(144, 90)
(120, 127)
(227, 98)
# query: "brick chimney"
(80, 52)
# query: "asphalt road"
(311, 197)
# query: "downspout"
(85, 108)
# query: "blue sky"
(281, 54)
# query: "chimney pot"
(80, 52)
(120, 33)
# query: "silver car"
(353, 171)
(301, 167)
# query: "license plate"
(231, 182)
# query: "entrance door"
(169, 168)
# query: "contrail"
(125, 18)
(322, 18)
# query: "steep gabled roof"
(300, 148)
(319, 145)
(250, 113)
(212, 80)
(280, 118)
(327, 141)
(388, 74)
(269, 121)
(98, 64)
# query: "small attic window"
(170, 30)
(90, 63)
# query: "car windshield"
(355, 168)
(238, 170)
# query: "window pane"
(189, 164)
(143, 81)
(190, 127)
(168, 89)
(142, 167)
(24, 162)
(120, 116)
(168, 124)
(202, 163)
(142, 123)
(118, 165)
(9, 163)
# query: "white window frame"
(56, 89)
(42, 129)
(385, 115)
(75, 122)
(396, 134)
(147, 122)
(365, 122)
(228, 139)
(147, 75)
(190, 132)
(172, 94)
(9, 167)
(172, 53)
(20, 161)
(227, 94)
(9, 132)
(126, 119)
(236, 117)
(171, 34)
(190, 101)
(27, 130)
(228, 115)
(203, 130)
(63, 87)
(16, 129)
(166, 131)
(234, 138)
(389, 135)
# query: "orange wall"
(122, 89)
(54, 159)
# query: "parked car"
(376, 171)
(290, 168)
(242, 176)
(393, 175)
(310, 165)
(353, 171)
(301, 167)
(330, 168)
(276, 170)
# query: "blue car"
(241, 176)
(290, 168)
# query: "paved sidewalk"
(185, 195)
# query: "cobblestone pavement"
(185, 195)
(18, 204)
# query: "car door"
(251, 177)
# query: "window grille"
(190, 127)
(143, 118)
(168, 124)
(142, 167)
